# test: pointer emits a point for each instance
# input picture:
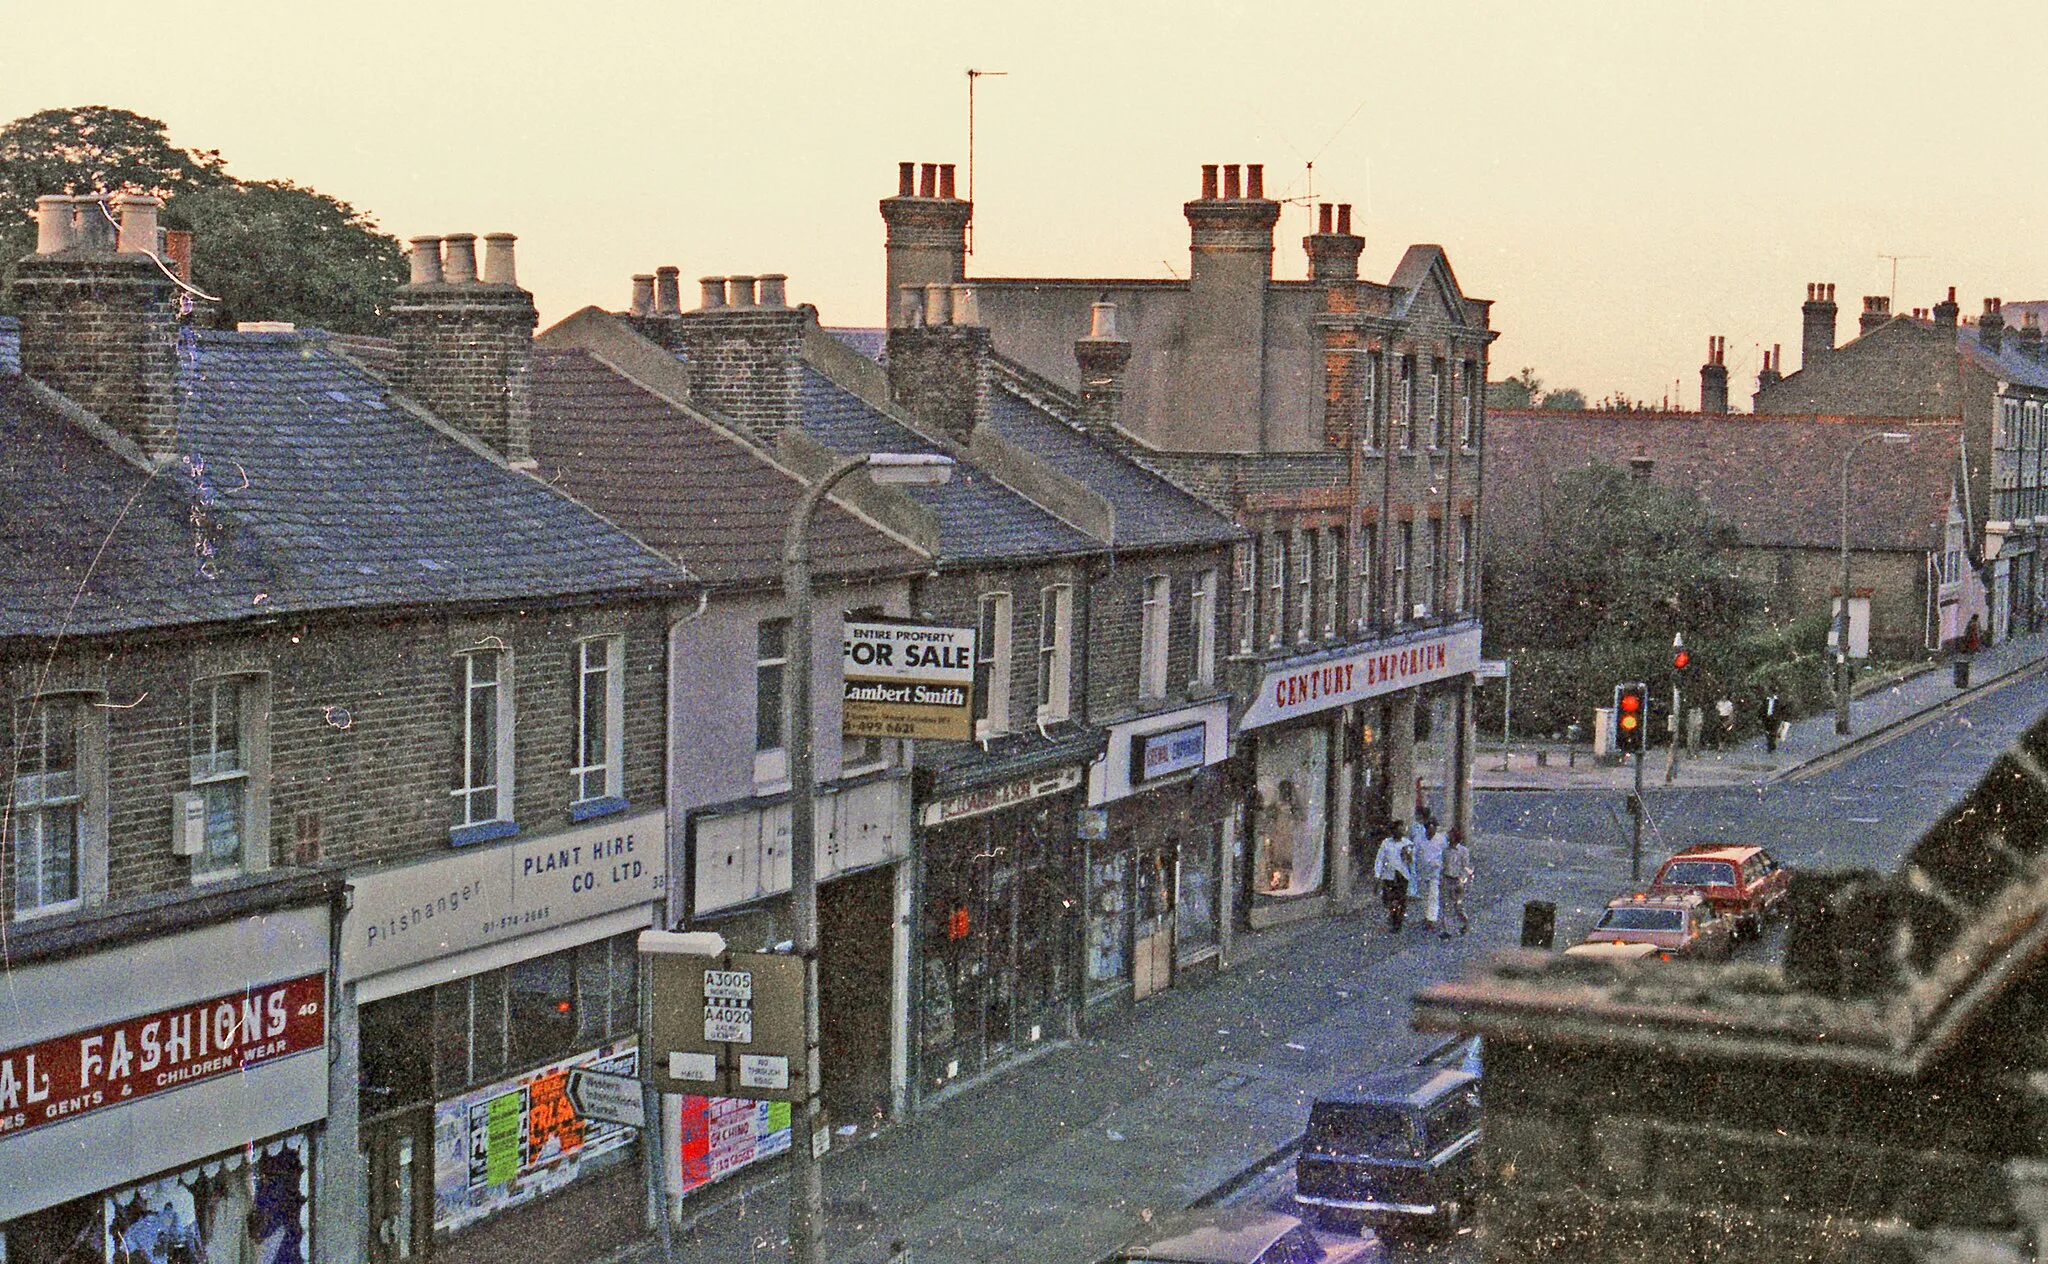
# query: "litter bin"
(1539, 924)
(1962, 673)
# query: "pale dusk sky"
(1623, 179)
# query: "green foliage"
(270, 250)
(1520, 391)
(1564, 399)
(1617, 568)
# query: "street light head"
(1897, 436)
(909, 467)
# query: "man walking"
(1391, 868)
(1771, 722)
(1429, 871)
(1457, 876)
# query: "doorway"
(399, 1150)
(1152, 951)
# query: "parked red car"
(1745, 883)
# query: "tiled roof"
(979, 518)
(957, 767)
(2009, 363)
(682, 484)
(1776, 480)
(302, 487)
(1150, 511)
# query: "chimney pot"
(739, 291)
(937, 299)
(1255, 180)
(643, 295)
(1233, 187)
(458, 265)
(774, 290)
(91, 227)
(668, 291)
(138, 223)
(946, 180)
(426, 261)
(966, 309)
(1209, 180)
(499, 268)
(1344, 218)
(710, 293)
(178, 253)
(1323, 218)
(54, 216)
(928, 180)
(1102, 322)
(906, 179)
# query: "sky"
(1624, 180)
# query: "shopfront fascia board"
(1293, 690)
(738, 857)
(1109, 777)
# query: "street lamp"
(1842, 676)
(807, 1199)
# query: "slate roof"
(979, 518)
(681, 484)
(1150, 511)
(2008, 363)
(871, 343)
(303, 488)
(1776, 479)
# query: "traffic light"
(1681, 658)
(1632, 716)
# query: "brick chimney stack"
(2028, 335)
(1102, 357)
(465, 342)
(1946, 311)
(927, 223)
(939, 359)
(1877, 309)
(1332, 249)
(1991, 326)
(744, 345)
(1714, 378)
(1770, 375)
(1817, 335)
(1215, 393)
(99, 318)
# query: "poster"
(508, 1143)
(720, 1135)
(906, 680)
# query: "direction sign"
(613, 1099)
(726, 1025)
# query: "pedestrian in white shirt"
(1429, 870)
(1457, 877)
(1391, 867)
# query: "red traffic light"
(1631, 711)
(1681, 659)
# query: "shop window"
(597, 780)
(1055, 651)
(69, 1233)
(1293, 771)
(1202, 626)
(58, 825)
(1195, 913)
(540, 1008)
(398, 1055)
(607, 989)
(1109, 925)
(992, 667)
(509, 1019)
(228, 716)
(483, 787)
(1152, 649)
(247, 1204)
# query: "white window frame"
(1332, 550)
(1365, 581)
(600, 665)
(79, 790)
(1470, 393)
(1373, 437)
(1276, 589)
(771, 760)
(496, 794)
(1055, 652)
(1155, 636)
(1404, 421)
(240, 776)
(1247, 559)
(1466, 570)
(1304, 585)
(1439, 411)
(992, 649)
(1404, 547)
(1202, 623)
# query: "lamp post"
(807, 1198)
(1842, 677)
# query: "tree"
(1565, 399)
(269, 250)
(1520, 391)
(272, 250)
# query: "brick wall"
(103, 330)
(940, 374)
(746, 363)
(464, 352)
(1116, 626)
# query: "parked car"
(1398, 1148)
(1745, 883)
(1235, 1235)
(1636, 927)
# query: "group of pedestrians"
(1429, 863)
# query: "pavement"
(1878, 710)
(1206, 1086)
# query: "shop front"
(1306, 736)
(1000, 879)
(163, 1099)
(482, 979)
(1158, 830)
(739, 886)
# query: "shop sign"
(908, 680)
(995, 798)
(483, 895)
(1289, 692)
(511, 1142)
(1155, 755)
(116, 1063)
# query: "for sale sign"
(908, 680)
